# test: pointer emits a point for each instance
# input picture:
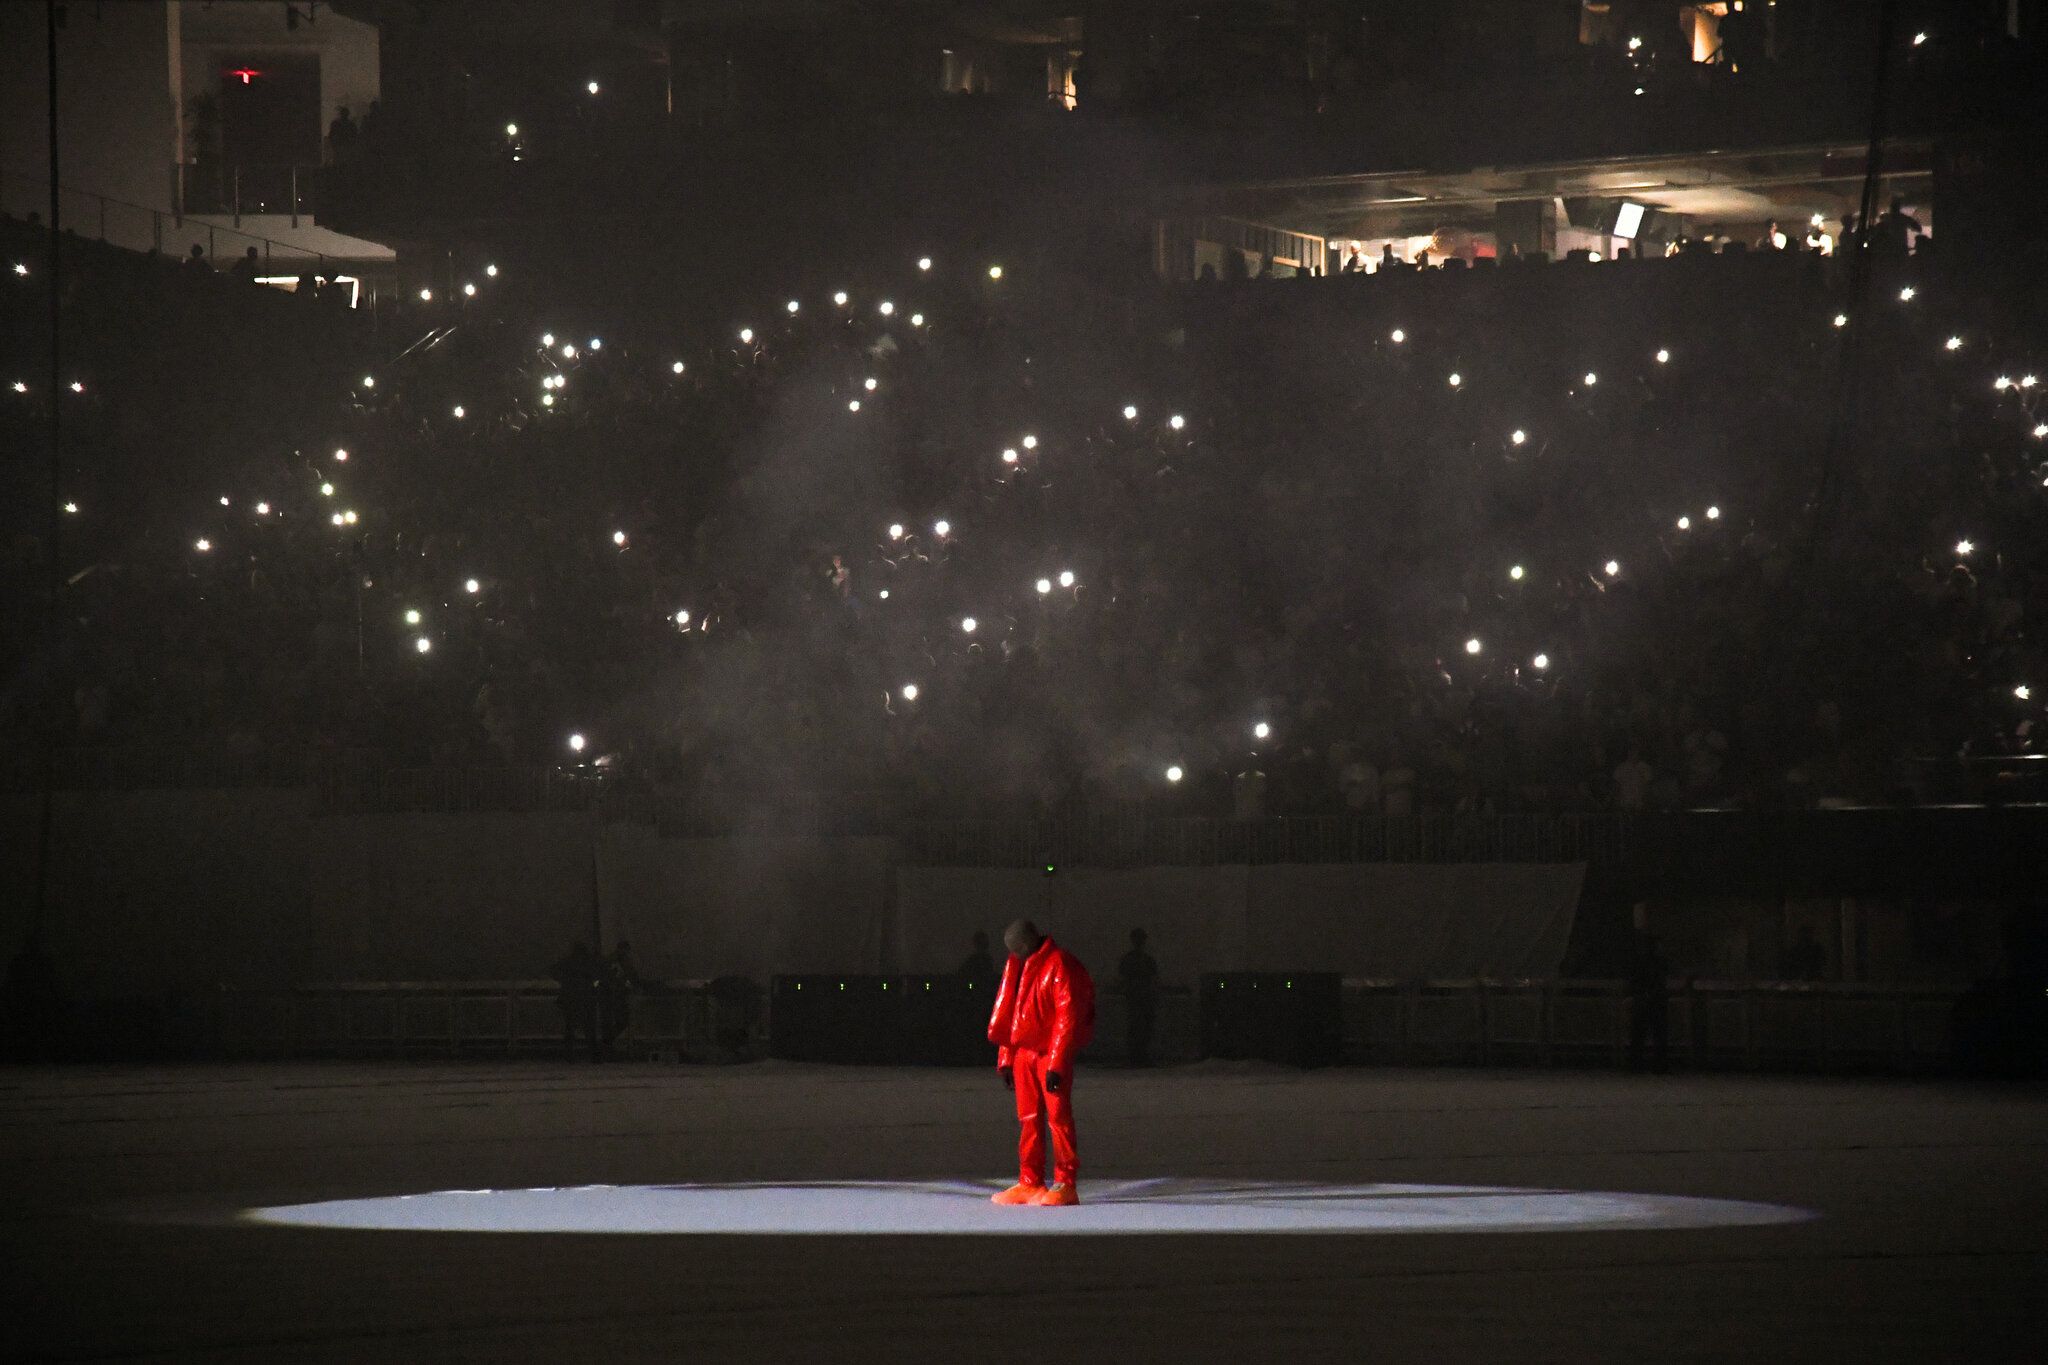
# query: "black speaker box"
(880, 1020)
(1295, 1018)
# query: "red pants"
(1027, 1072)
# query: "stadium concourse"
(1234, 1212)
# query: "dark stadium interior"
(539, 533)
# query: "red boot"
(1018, 1194)
(1058, 1196)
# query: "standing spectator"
(1742, 40)
(341, 137)
(616, 985)
(248, 268)
(1895, 233)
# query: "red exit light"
(246, 73)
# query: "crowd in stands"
(1697, 532)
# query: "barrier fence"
(138, 227)
(466, 1018)
(456, 790)
(1138, 838)
(1712, 1025)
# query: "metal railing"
(456, 790)
(1733, 1025)
(162, 768)
(1136, 838)
(137, 227)
(1712, 1025)
(247, 187)
(468, 1018)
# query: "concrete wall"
(125, 71)
(1361, 919)
(291, 249)
(151, 891)
(347, 49)
(1195, 916)
(700, 908)
(115, 114)
(443, 897)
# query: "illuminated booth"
(1790, 198)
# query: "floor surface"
(1235, 1212)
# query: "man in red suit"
(1044, 1014)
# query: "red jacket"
(1046, 1004)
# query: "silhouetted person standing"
(1893, 234)
(341, 135)
(1649, 1002)
(617, 982)
(576, 977)
(1852, 236)
(1139, 976)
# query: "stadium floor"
(126, 1189)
